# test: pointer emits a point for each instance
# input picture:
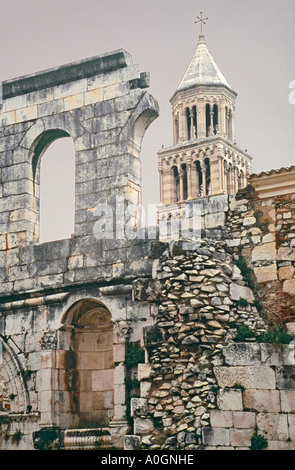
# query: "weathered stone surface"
(262, 400)
(230, 399)
(221, 419)
(240, 437)
(243, 419)
(288, 401)
(260, 377)
(265, 252)
(289, 286)
(286, 272)
(242, 354)
(215, 436)
(285, 376)
(266, 273)
(238, 292)
(143, 426)
(274, 426)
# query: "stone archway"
(88, 365)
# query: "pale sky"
(252, 41)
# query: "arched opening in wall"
(184, 182)
(188, 123)
(176, 186)
(215, 120)
(208, 120)
(57, 191)
(195, 123)
(88, 365)
(199, 189)
(208, 176)
(53, 165)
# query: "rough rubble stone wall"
(199, 388)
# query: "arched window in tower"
(208, 120)
(208, 176)
(195, 123)
(215, 120)
(176, 189)
(188, 123)
(183, 175)
(57, 191)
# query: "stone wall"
(52, 376)
(262, 232)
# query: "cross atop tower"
(201, 20)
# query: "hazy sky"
(252, 41)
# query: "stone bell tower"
(204, 159)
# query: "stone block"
(289, 286)
(240, 437)
(286, 272)
(221, 419)
(285, 377)
(286, 253)
(143, 426)
(238, 292)
(215, 220)
(260, 377)
(288, 401)
(102, 380)
(266, 273)
(215, 436)
(274, 426)
(262, 400)
(138, 407)
(131, 443)
(291, 422)
(243, 419)
(230, 399)
(265, 252)
(242, 354)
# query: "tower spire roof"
(203, 70)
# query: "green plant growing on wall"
(245, 271)
(244, 332)
(243, 302)
(16, 437)
(257, 304)
(134, 355)
(276, 336)
(258, 442)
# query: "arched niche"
(87, 366)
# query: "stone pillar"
(194, 181)
(203, 168)
(191, 131)
(215, 176)
(48, 393)
(189, 179)
(119, 425)
(181, 176)
(211, 121)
